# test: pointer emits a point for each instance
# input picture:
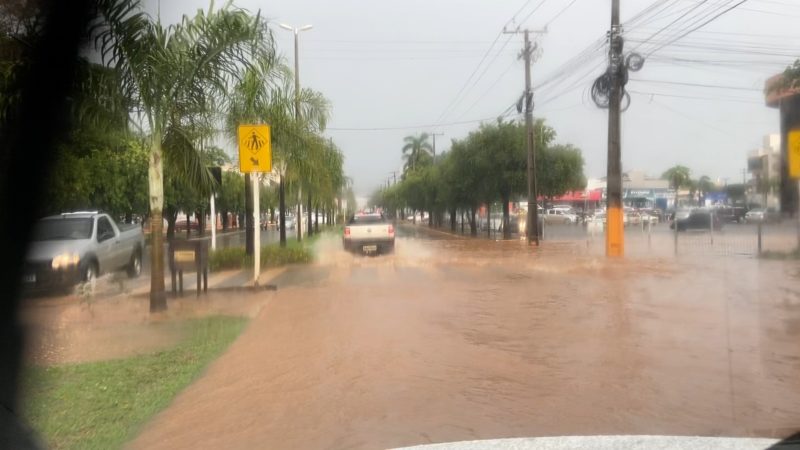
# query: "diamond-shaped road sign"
(255, 149)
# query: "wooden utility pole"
(615, 232)
(532, 222)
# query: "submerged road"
(460, 339)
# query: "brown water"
(460, 339)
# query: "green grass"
(272, 255)
(769, 254)
(101, 405)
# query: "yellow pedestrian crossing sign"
(793, 153)
(255, 149)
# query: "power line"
(505, 113)
(712, 86)
(664, 28)
(696, 97)
(699, 26)
(480, 63)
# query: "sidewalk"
(226, 280)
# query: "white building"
(764, 165)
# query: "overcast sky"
(401, 63)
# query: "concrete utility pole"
(532, 225)
(615, 234)
(296, 32)
(434, 144)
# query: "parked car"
(731, 214)
(596, 223)
(697, 219)
(74, 247)
(762, 215)
(559, 215)
(180, 225)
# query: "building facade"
(764, 166)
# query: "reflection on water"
(454, 339)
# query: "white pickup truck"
(368, 233)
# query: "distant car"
(631, 217)
(697, 219)
(596, 223)
(731, 214)
(559, 215)
(762, 215)
(180, 225)
(368, 233)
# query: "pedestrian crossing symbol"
(255, 149)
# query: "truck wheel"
(90, 272)
(135, 265)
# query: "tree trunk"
(282, 213)
(453, 220)
(473, 227)
(316, 220)
(489, 220)
(224, 220)
(188, 225)
(430, 219)
(155, 178)
(172, 217)
(299, 217)
(128, 217)
(462, 221)
(506, 228)
(310, 213)
(201, 221)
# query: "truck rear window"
(62, 229)
(355, 220)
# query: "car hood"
(47, 250)
(605, 443)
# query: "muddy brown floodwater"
(451, 340)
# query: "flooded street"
(460, 339)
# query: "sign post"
(255, 157)
(793, 153)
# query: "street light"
(296, 31)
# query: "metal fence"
(747, 239)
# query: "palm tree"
(704, 185)
(678, 176)
(174, 76)
(265, 94)
(416, 151)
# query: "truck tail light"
(391, 230)
(347, 231)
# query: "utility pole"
(296, 32)
(615, 234)
(532, 222)
(434, 144)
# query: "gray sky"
(387, 64)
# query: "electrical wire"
(711, 86)
(480, 63)
(684, 34)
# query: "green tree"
(417, 151)
(173, 76)
(266, 94)
(679, 177)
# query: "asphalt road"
(462, 339)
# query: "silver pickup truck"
(74, 247)
(368, 233)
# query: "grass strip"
(101, 405)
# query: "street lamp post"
(296, 32)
